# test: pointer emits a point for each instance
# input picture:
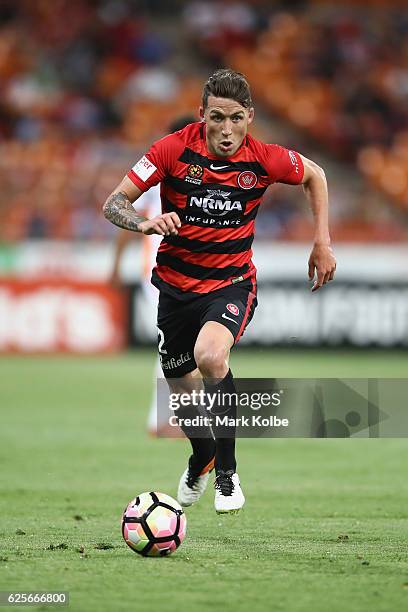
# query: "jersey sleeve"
(283, 165)
(157, 163)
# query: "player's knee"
(212, 361)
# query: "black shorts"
(179, 322)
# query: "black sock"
(224, 435)
(200, 436)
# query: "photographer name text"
(225, 421)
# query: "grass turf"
(325, 525)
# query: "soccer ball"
(154, 524)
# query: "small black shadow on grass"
(103, 546)
(62, 546)
(343, 537)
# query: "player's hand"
(322, 263)
(164, 225)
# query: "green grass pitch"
(325, 526)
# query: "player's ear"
(251, 114)
(201, 112)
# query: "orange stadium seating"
(315, 103)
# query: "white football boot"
(192, 484)
(229, 497)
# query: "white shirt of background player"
(150, 203)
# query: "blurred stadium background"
(88, 85)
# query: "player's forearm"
(316, 192)
(119, 211)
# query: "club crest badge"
(233, 309)
(247, 179)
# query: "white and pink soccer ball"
(154, 524)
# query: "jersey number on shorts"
(161, 341)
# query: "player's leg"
(223, 321)
(212, 356)
(194, 479)
(178, 332)
(211, 353)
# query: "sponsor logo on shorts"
(247, 179)
(175, 362)
(233, 309)
(224, 316)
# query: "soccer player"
(213, 175)
(150, 204)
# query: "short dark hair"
(226, 83)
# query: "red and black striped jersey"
(217, 200)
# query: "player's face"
(227, 125)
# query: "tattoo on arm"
(120, 211)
